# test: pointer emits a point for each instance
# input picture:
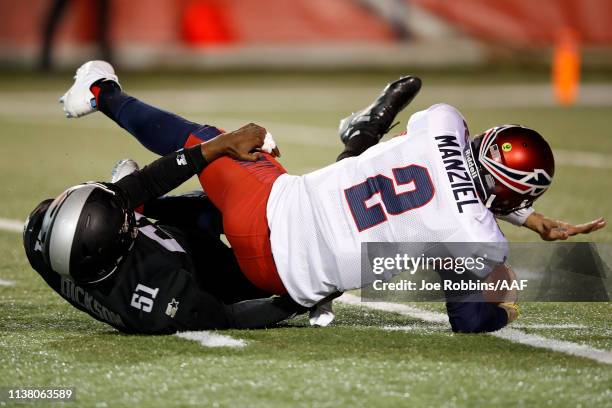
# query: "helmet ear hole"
(32, 236)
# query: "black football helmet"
(83, 234)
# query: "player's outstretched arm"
(553, 230)
(265, 312)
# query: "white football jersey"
(412, 188)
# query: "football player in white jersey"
(432, 184)
(302, 235)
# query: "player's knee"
(206, 132)
(479, 317)
(466, 325)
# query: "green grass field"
(356, 362)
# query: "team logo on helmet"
(533, 182)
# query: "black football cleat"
(376, 119)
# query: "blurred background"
(298, 67)
(224, 34)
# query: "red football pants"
(240, 190)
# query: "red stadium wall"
(132, 21)
(527, 22)
(200, 22)
(304, 21)
(147, 32)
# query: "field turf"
(356, 362)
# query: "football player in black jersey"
(143, 277)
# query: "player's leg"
(156, 129)
(364, 129)
(475, 317)
(469, 312)
(96, 87)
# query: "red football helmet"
(511, 166)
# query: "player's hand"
(553, 230)
(241, 144)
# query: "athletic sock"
(358, 144)
(108, 96)
(160, 131)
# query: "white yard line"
(579, 158)
(326, 137)
(320, 99)
(507, 333)
(11, 225)
(311, 136)
(212, 339)
(321, 136)
(204, 103)
(417, 328)
(4, 282)
(445, 327)
(548, 326)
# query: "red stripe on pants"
(240, 190)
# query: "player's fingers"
(601, 224)
(250, 156)
(557, 234)
(588, 227)
(255, 140)
(257, 131)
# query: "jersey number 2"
(395, 203)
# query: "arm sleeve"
(517, 217)
(202, 311)
(161, 176)
(198, 309)
(256, 313)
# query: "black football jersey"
(158, 288)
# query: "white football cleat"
(79, 100)
(123, 168)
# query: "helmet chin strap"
(490, 200)
(472, 162)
